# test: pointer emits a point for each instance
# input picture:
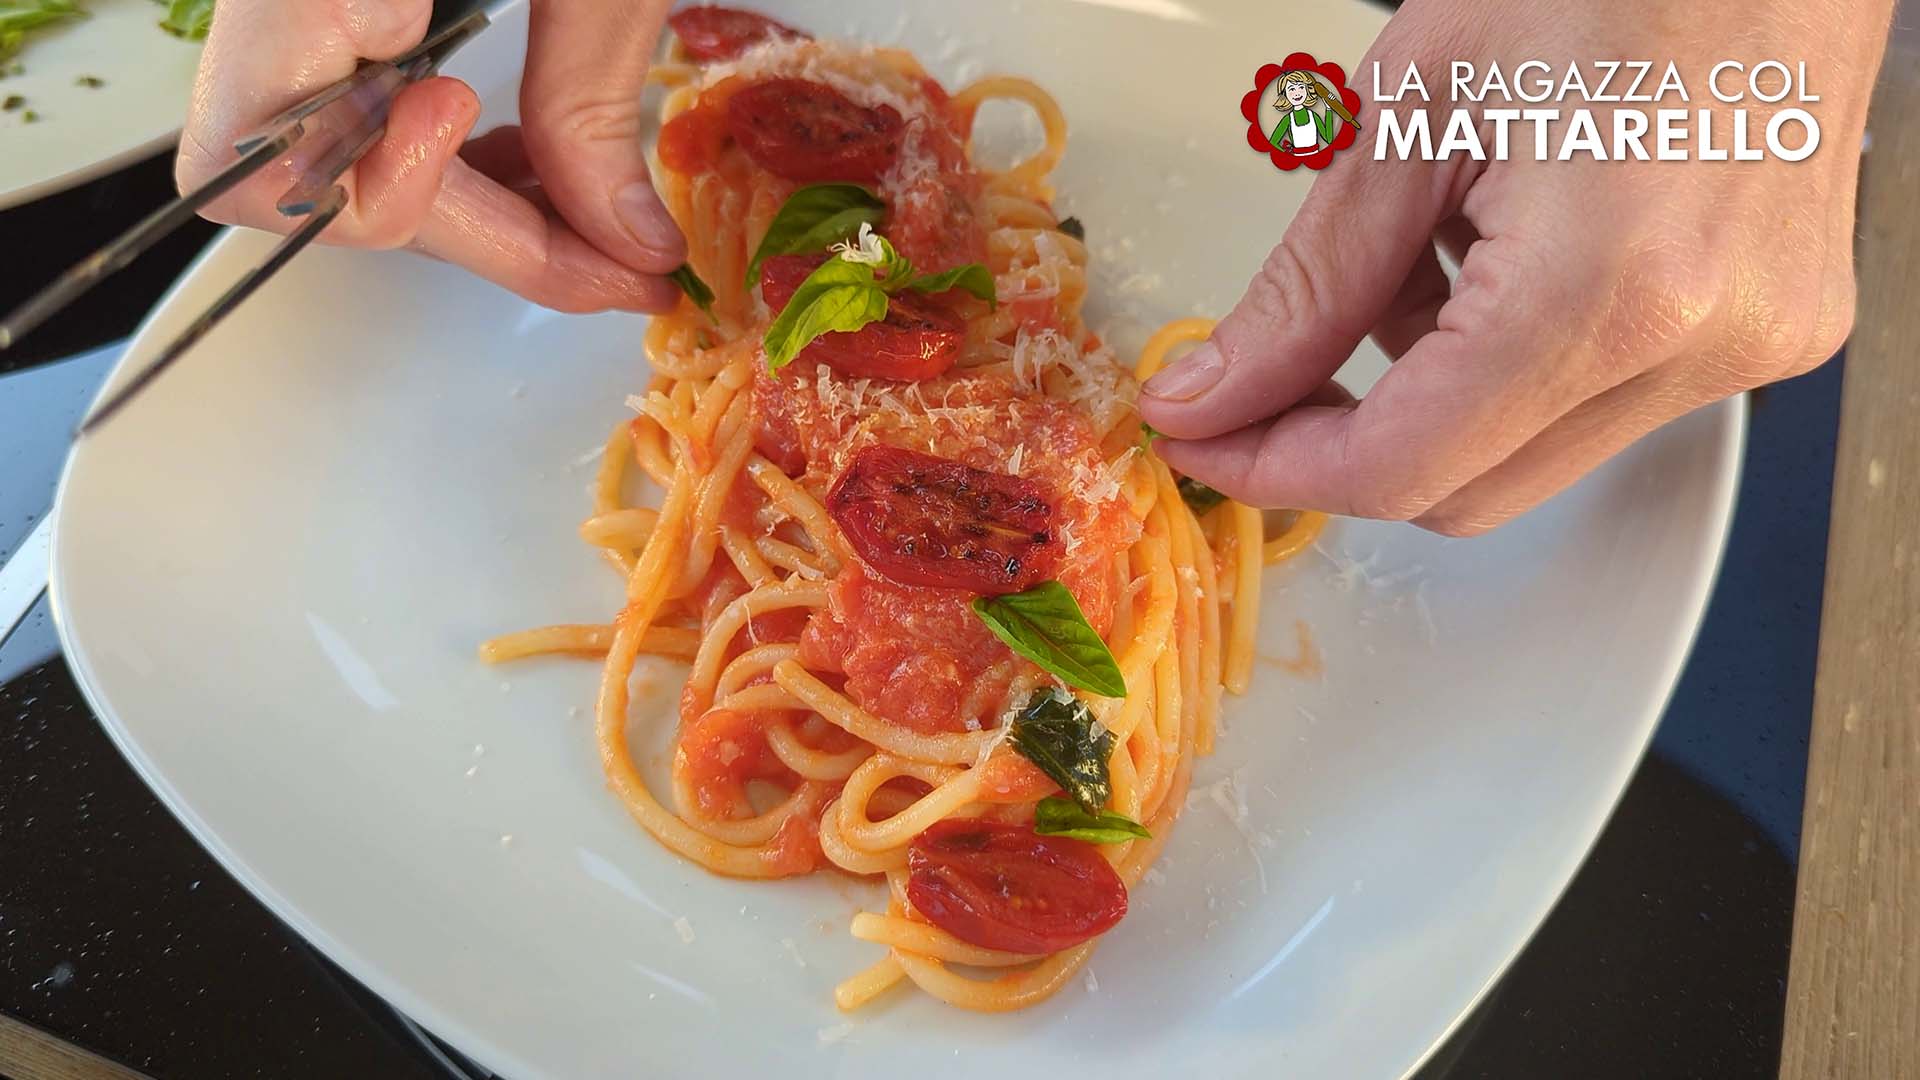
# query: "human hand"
(1596, 300)
(560, 210)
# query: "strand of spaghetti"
(1248, 529)
(611, 474)
(1206, 719)
(747, 831)
(750, 665)
(789, 557)
(1031, 172)
(714, 488)
(1150, 635)
(746, 558)
(1153, 355)
(715, 398)
(1299, 535)
(833, 844)
(810, 763)
(799, 505)
(762, 698)
(948, 749)
(1186, 583)
(624, 529)
(951, 790)
(859, 989)
(928, 940)
(586, 640)
(650, 450)
(1126, 783)
(731, 620)
(1015, 990)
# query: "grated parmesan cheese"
(684, 928)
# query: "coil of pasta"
(947, 620)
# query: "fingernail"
(640, 209)
(1190, 377)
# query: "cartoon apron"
(1305, 128)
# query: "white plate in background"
(83, 132)
(271, 574)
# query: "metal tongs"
(323, 136)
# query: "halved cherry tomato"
(808, 131)
(918, 339)
(1002, 886)
(918, 519)
(722, 33)
(691, 141)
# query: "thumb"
(580, 115)
(1332, 277)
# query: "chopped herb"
(1055, 816)
(190, 19)
(814, 218)
(29, 117)
(12, 102)
(1057, 732)
(1147, 434)
(696, 290)
(91, 82)
(1045, 625)
(20, 17)
(1198, 496)
(1072, 227)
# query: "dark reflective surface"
(1667, 958)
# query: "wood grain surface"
(1853, 995)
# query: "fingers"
(1415, 309)
(1362, 231)
(1576, 444)
(1463, 397)
(580, 107)
(398, 179)
(497, 234)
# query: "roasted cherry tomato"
(691, 141)
(808, 131)
(917, 519)
(1006, 887)
(722, 33)
(918, 339)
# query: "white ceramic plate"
(86, 132)
(272, 572)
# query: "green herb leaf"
(1045, 625)
(838, 297)
(1072, 227)
(18, 17)
(91, 82)
(1055, 816)
(1147, 434)
(189, 19)
(696, 290)
(972, 277)
(1057, 732)
(1198, 496)
(813, 218)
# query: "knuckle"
(1796, 330)
(1662, 301)
(586, 120)
(1281, 295)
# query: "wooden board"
(1853, 995)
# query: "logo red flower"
(1330, 74)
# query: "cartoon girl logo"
(1309, 117)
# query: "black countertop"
(1666, 958)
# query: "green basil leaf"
(813, 218)
(1072, 227)
(972, 277)
(1055, 816)
(839, 296)
(1147, 434)
(1057, 732)
(1198, 496)
(1045, 625)
(190, 19)
(696, 290)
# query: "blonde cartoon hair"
(1299, 78)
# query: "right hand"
(560, 211)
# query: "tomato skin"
(1003, 886)
(918, 339)
(691, 142)
(917, 519)
(808, 131)
(722, 33)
